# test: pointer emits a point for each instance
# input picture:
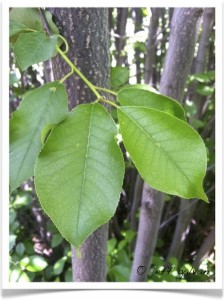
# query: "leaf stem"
(87, 82)
(66, 76)
(105, 90)
(107, 101)
(66, 44)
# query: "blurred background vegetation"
(138, 46)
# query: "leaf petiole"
(105, 90)
(66, 76)
(66, 44)
(108, 101)
(77, 71)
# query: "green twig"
(105, 90)
(66, 76)
(87, 82)
(107, 101)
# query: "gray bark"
(146, 238)
(202, 55)
(184, 30)
(91, 266)
(135, 206)
(151, 44)
(207, 25)
(122, 15)
(187, 209)
(138, 27)
(205, 248)
(183, 222)
(86, 30)
(48, 72)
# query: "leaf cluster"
(75, 158)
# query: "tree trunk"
(205, 248)
(183, 222)
(122, 15)
(208, 22)
(86, 30)
(91, 266)
(201, 58)
(151, 206)
(184, 30)
(187, 209)
(134, 207)
(138, 27)
(151, 44)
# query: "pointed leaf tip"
(168, 153)
(79, 172)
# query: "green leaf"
(46, 132)
(57, 239)
(141, 97)
(32, 48)
(140, 46)
(12, 241)
(44, 105)
(53, 28)
(34, 263)
(121, 273)
(16, 27)
(48, 273)
(24, 19)
(59, 265)
(13, 79)
(15, 273)
(203, 77)
(22, 199)
(118, 76)
(12, 215)
(205, 90)
(168, 153)
(79, 172)
(68, 275)
(145, 87)
(111, 245)
(20, 248)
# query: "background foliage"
(37, 250)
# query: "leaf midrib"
(84, 172)
(173, 162)
(26, 28)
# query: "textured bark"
(205, 248)
(91, 266)
(151, 44)
(184, 30)
(86, 30)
